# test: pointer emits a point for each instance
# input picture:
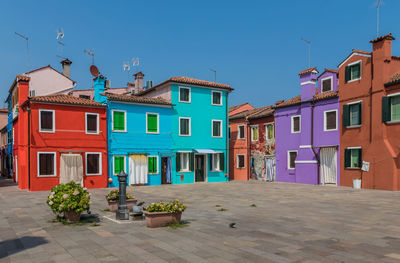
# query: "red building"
(59, 138)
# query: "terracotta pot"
(159, 219)
(72, 216)
(113, 205)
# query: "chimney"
(382, 47)
(99, 84)
(138, 82)
(131, 86)
(308, 80)
(66, 67)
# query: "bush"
(68, 197)
(173, 207)
(113, 195)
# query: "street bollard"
(122, 212)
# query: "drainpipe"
(312, 141)
(29, 148)
(226, 136)
(248, 138)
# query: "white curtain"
(138, 169)
(71, 168)
(328, 160)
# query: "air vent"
(108, 84)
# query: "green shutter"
(385, 109)
(359, 113)
(347, 73)
(357, 70)
(346, 116)
(151, 164)
(221, 162)
(119, 164)
(119, 120)
(210, 156)
(191, 162)
(359, 157)
(178, 162)
(152, 123)
(347, 158)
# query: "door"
(199, 167)
(165, 170)
(270, 169)
(328, 160)
(71, 168)
(138, 169)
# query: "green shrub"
(173, 207)
(68, 197)
(113, 195)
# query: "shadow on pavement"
(13, 246)
(5, 182)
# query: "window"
(291, 159)
(296, 124)
(269, 131)
(217, 128)
(84, 97)
(391, 108)
(46, 164)
(352, 157)
(93, 163)
(119, 164)
(92, 123)
(241, 132)
(46, 121)
(216, 98)
(184, 126)
(353, 71)
(330, 120)
(118, 121)
(352, 114)
(217, 162)
(254, 133)
(152, 123)
(326, 84)
(183, 163)
(240, 161)
(153, 164)
(184, 94)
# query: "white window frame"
(38, 164)
(292, 124)
(322, 84)
(288, 159)
(112, 120)
(157, 163)
(266, 131)
(325, 123)
(100, 163)
(251, 132)
(353, 103)
(353, 63)
(220, 129)
(181, 162)
(351, 162)
(113, 168)
(53, 130)
(213, 167)
(390, 105)
(190, 95)
(212, 95)
(190, 126)
(98, 125)
(158, 122)
(237, 161)
(244, 131)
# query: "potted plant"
(69, 200)
(113, 196)
(162, 214)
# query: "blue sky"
(255, 46)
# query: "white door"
(328, 158)
(71, 168)
(138, 169)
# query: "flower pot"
(159, 219)
(113, 204)
(72, 216)
(357, 183)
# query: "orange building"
(239, 108)
(369, 93)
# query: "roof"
(137, 99)
(386, 37)
(48, 66)
(4, 110)
(243, 114)
(186, 80)
(264, 112)
(232, 108)
(317, 97)
(326, 95)
(292, 101)
(393, 80)
(355, 51)
(65, 99)
(309, 70)
(329, 70)
(361, 51)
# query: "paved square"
(289, 223)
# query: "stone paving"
(289, 223)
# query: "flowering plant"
(173, 207)
(113, 195)
(68, 197)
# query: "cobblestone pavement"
(289, 223)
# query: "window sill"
(330, 130)
(117, 131)
(46, 176)
(92, 133)
(216, 136)
(185, 172)
(44, 131)
(241, 139)
(296, 131)
(353, 168)
(215, 171)
(353, 126)
(392, 122)
(153, 173)
(93, 174)
(349, 81)
(185, 101)
(240, 167)
(185, 135)
(152, 133)
(216, 104)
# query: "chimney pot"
(66, 67)
(138, 82)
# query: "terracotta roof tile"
(326, 95)
(244, 114)
(66, 99)
(232, 108)
(361, 51)
(292, 101)
(137, 99)
(22, 77)
(387, 36)
(395, 57)
(332, 70)
(317, 97)
(264, 112)
(4, 110)
(308, 71)
(393, 80)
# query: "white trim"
(212, 95)
(354, 102)
(113, 160)
(158, 123)
(394, 94)
(100, 163)
(327, 111)
(112, 120)
(190, 128)
(352, 64)
(220, 129)
(322, 84)
(53, 130)
(190, 94)
(181, 161)
(251, 132)
(38, 164)
(148, 156)
(305, 146)
(306, 161)
(266, 131)
(355, 147)
(308, 82)
(288, 159)
(237, 161)
(98, 120)
(244, 132)
(354, 53)
(292, 122)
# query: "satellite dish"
(94, 71)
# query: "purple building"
(307, 131)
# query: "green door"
(199, 171)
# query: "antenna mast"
(27, 47)
(90, 53)
(215, 74)
(377, 18)
(309, 51)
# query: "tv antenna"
(377, 17)
(90, 53)
(60, 33)
(27, 47)
(126, 66)
(309, 51)
(135, 62)
(215, 74)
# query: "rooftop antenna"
(215, 74)
(60, 33)
(61, 47)
(377, 17)
(27, 47)
(309, 51)
(91, 54)
(126, 66)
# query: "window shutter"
(347, 154)
(191, 162)
(210, 163)
(359, 157)
(357, 70)
(385, 109)
(152, 123)
(178, 162)
(221, 162)
(117, 165)
(151, 165)
(346, 116)
(347, 73)
(360, 113)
